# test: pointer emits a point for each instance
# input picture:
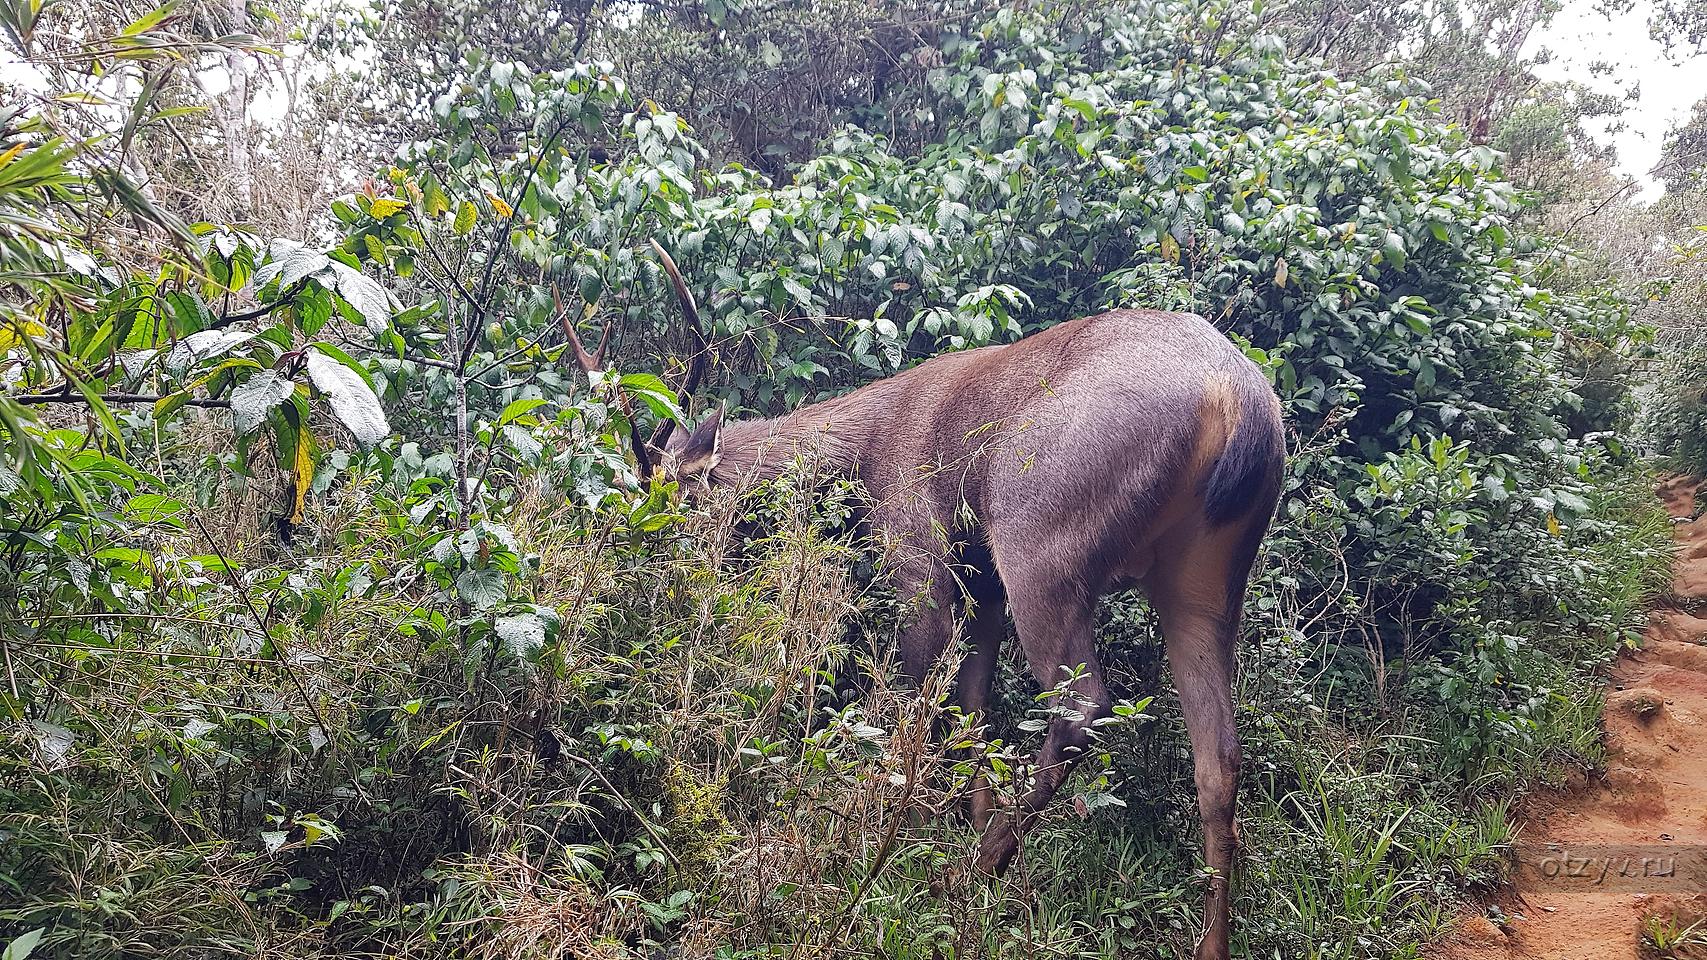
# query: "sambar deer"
(1134, 448)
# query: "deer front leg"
(986, 627)
(1055, 621)
(916, 548)
(928, 587)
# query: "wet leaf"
(353, 401)
(251, 402)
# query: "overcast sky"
(1579, 37)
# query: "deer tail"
(1249, 468)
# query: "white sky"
(1579, 36)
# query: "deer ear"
(699, 452)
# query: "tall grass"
(710, 756)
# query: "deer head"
(692, 455)
(687, 456)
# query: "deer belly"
(1133, 568)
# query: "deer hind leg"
(1055, 619)
(1198, 599)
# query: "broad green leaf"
(1394, 249)
(654, 393)
(170, 404)
(367, 298)
(518, 408)
(156, 508)
(353, 401)
(483, 588)
(339, 355)
(204, 345)
(289, 262)
(523, 633)
(978, 326)
(256, 397)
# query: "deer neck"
(829, 434)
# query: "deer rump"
(1132, 448)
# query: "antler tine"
(642, 452)
(595, 362)
(589, 363)
(701, 353)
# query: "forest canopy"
(339, 621)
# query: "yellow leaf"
(303, 469)
(499, 205)
(1552, 524)
(1280, 272)
(434, 201)
(1170, 248)
(11, 154)
(13, 333)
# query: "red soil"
(1651, 798)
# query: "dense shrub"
(466, 685)
(1675, 415)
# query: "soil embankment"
(1608, 869)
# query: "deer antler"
(701, 352)
(591, 363)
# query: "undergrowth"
(695, 742)
(336, 621)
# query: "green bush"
(490, 695)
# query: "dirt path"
(1580, 892)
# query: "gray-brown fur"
(1134, 448)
